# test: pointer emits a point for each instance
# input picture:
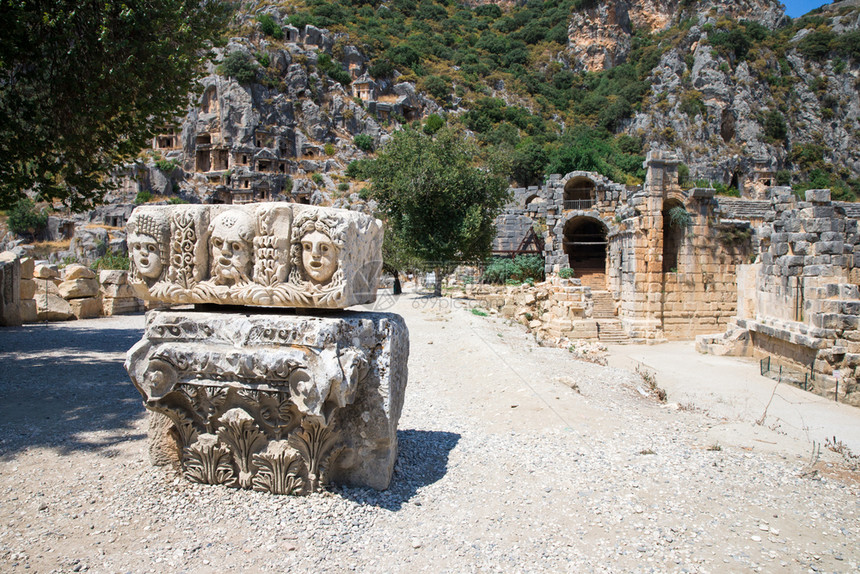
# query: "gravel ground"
(513, 458)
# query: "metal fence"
(578, 204)
(785, 374)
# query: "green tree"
(439, 205)
(25, 219)
(84, 86)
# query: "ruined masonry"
(281, 402)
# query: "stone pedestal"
(282, 403)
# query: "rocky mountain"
(304, 88)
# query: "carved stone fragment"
(266, 254)
(278, 403)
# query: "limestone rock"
(117, 291)
(113, 277)
(28, 288)
(28, 311)
(76, 271)
(270, 254)
(10, 297)
(27, 267)
(86, 308)
(78, 288)
(121, 306)
(43, 271)
(316, 398)
(53, 308)
(46, 285)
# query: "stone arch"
(531, 198)
(585, 244)
(580, 192)
(209, 103)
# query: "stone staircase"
(604, 305)
(609, 329)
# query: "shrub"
(239, 66)
(683, 174)
(176, 201)
(329, 149)
(521, 269)
(364, 142)
(565, 273)
(142, 197)
(774, 126)
(783, 177)
(166, 165)
(343, 187)
(317, 179)
(433, 124)
(678, 217)
(288, 184)
(111, 261)
(270, 27)
(436, 87)
(25, 218)
(359, 169)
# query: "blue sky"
(795, 8)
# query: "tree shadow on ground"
(65, 387)
(422, 460)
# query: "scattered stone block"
(10, 295)
(87, 308)
(28, 311)
(118, 291)
(113, 306)
(27, 267)
(52, 307)
(44, 271)
(78, 288)
(27, 288)
(818, 195)
(77, 271)
(113, 277)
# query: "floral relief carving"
(280, 470)
(208, 462)
(244, 439)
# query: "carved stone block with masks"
(277, 403)
(263, 254)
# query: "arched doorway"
(579, 193)
(585, 246)
(673, 234)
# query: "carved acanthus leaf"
(280, 470)
(208, 462)
(242, 436)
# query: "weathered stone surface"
(273, 402)
(43, 271)
(86, 308)
(27, 288)
(121, 306)
(78, 288)
(10, 297)
(113, 277)
(53, 308)
(46, 285)
(28, 311)
(76, 271)
(269, 254)
(117, 291)
(27, 267)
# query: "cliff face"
(734, 87)
(714, 107)
(600, 36)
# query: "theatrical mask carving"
(231, 236)
(147, 237)
(319, 242)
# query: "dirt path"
(513, 458)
